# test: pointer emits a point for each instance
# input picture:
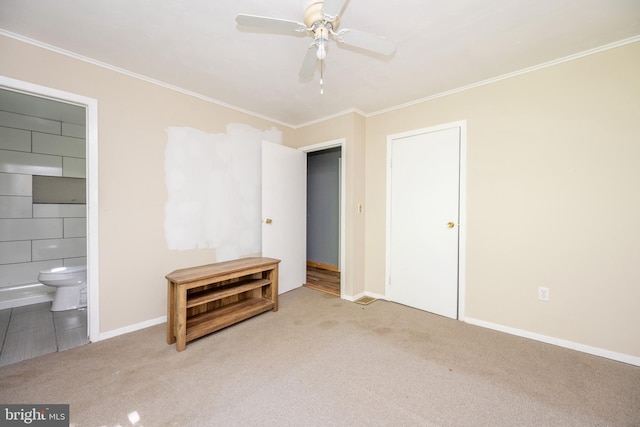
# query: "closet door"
(423, 225)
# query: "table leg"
(274, 287)
(171, 313)
(181, 318)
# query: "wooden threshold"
(323, 280)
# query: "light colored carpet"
(322, 361)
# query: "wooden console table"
(207, 298)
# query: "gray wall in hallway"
(323, 206)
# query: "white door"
(423, 225)
(284, 212)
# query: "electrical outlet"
(543, 294)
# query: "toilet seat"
(62, 273)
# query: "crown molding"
(548, 64)
(142, 77)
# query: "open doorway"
(77, 115)
(324, 219)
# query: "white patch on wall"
(214, 190)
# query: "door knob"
(269, 221)
(450, 224)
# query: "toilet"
(70, 284)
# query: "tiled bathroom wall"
(35, 237)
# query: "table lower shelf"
(205, 323)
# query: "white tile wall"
(75, 227)
(15, 207)
(23, 273)
(70, 262)
(73, 167)
(13, 184)
(77, 131)
(59, 211)
(12, 252)
(58, 145)
(51, 249)
(29, 229)
(15, 139)
(19, 121)
(29, 163)
(41, 236)
(51, 109)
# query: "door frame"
(91, 109)
(342, 143)
(462, 222)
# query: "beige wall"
(552, 198)
(552, 190)
(132, 116)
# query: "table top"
(220, 268)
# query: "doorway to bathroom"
(52, 134)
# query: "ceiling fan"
(321, 20)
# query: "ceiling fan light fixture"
(321, 34)
(322, 51)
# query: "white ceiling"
(442, 45)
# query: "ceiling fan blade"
(370, 42)
(270, 23)
(332, 8)
(309, 63)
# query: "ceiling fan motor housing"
(313, 14)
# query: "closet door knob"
(269, 221)
(450, 224)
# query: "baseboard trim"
(323, 266)
(608, 354)
(132, 328)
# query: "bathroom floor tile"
(71, 338)
(34, 330)
(23, 320)
(5, 315)
(70, 319)
(27, 344)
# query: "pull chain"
(321, 80)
